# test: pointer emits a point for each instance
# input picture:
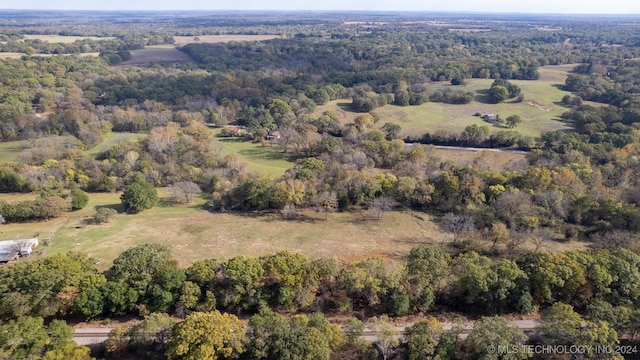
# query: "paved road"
(97, 335)
(91, 335)
(524, 325)
(467, 148)
(479, 149)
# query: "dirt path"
(538, 106)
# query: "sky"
(520, 6)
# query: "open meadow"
(156, 54)
(16, 55)
(169, 54)
(478, 158)
(267, 159)
(11, 55)
(193, 233)
(540, 110)
(213, 39)
(112, 139)
(63, 39)
(10, 150)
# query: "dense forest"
(580, 183)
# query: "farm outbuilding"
(13, 249)
(489, 117)
(274, 135)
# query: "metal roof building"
(13, 249)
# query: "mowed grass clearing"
(49, 229)
(112, 139)
(15, 55)
(480, 159)
(156, 54)
(214, 39)
(10, 150)
(540, 109)
(11, 55)
(192, 233)
(265, 159)
(64, 39)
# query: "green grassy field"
(112, 139)
(9, 150)
(540, 109)
(266, 160)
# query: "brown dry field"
(15, 55)
(11, 55)
(192, 233)
(160, 54)
(63, 39)
(481, 159)
(555, 73)
(213, 39)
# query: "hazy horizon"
(613, 7)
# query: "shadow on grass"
(564, 121)
(344, 106)
(268, 154)
(483, 97)
(195, 229)
(230, 139)
(300, 219)
(365, 217)
(166, 202)
(117, 207)
(258, 152)
(199, 206)
(418, 241)
(93, 220)
(264, 215)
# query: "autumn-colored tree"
(422, 339)
(563, 326)
(493, 333)
(287, 276)
(210, 335)
(239, 282)
(288, 192)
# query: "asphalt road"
(97, 335)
